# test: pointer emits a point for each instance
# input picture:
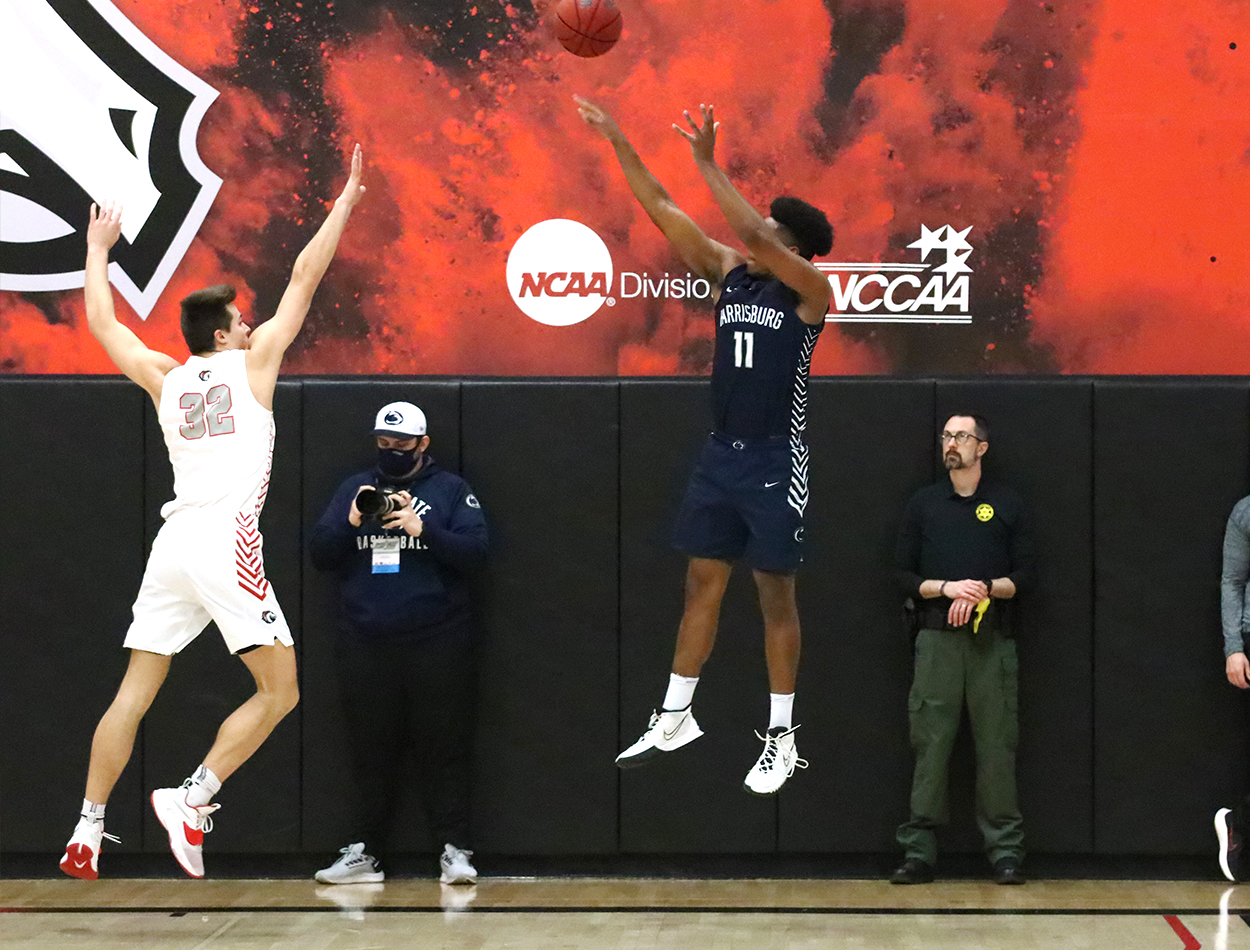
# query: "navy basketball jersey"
(763, 353)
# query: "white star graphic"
(954, 263)
(929, 240)
(955, 239)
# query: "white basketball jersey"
(220, 438)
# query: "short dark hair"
(203, 313)
(806, 223)
(980, 428)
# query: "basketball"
(587, 27)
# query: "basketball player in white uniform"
(216, 414)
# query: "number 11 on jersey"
(747, 359)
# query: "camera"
(376, 504)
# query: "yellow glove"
(982, 607)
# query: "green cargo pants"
(951, 666)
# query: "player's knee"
(280, 698)
(706, 579)
(289, 698)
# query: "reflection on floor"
(550, 913)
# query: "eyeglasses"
(963, 438)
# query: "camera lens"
(372, 503)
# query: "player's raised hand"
(104, 226)
(702, 138)
(353, 190)
(598, 119)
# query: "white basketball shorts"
(206, 565)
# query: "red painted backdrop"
(1099, 149)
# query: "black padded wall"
(71, 556)
(1131, 736)
(1170, 461)
(872, 446)
(338, 422)
(691, 800)
(1041, 444)
(261, 801)
(543, 459)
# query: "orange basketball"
(587, 27)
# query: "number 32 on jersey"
(214, 420)
(744, 349)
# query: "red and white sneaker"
(186, 825)
(82, 854)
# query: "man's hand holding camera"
(396, 513)
(405, 517)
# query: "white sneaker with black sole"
(456, 867)
(352, 867)
(668, 730)
(776, 763)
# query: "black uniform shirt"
(762, 357)
(948, 537)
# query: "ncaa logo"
(559, 272)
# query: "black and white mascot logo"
(92, 110)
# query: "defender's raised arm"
(144, 366)
(270, 340)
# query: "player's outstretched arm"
(145, 366)
(270, 340)
(795, 272)
(709, 259)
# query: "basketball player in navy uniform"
(747, 495)
(216, 414)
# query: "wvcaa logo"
(903, 293)
(559, 272)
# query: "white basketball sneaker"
(776, 763)
(353, 867)
(82, 854)
(668, 730)
(456, 866)
(186, 824)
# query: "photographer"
(405, 645)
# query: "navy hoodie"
(429, 594)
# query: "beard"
(953, 461)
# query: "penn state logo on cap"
(400, 419)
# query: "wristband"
(942, 589)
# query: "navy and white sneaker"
(668, 730)
(776, 763)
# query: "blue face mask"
(396, 463)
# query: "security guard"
(964, 550)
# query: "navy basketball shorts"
(745, 501)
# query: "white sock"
(204, 785)
(680, 691)
(91, 811)
(782, 710)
